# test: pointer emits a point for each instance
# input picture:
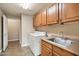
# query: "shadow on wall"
(71, 28)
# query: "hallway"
(15, 49)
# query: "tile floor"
(15, 49)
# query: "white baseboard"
(0, 51)
(23, 45)
(13, 40)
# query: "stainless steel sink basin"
(52, 39)
(65, 42)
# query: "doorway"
(10, 28)
(13, 29)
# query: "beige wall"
(0, 27)
(71, 28)
(13, 28)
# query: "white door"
(5, 32)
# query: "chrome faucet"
(62, 34)
(46, 33)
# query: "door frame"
(2, 33)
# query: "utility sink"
(62, 41)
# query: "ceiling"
(16, 10)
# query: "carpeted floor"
(15, 49)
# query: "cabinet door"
(58, 50)
(34, 21)
(55, 54)
(52, 14)
(44, 17)
(70, 12)
(37, 20)
(46, 44)
(61, 52)
(45, 51)
(66, 53)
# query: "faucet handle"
(46, 34)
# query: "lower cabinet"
(48, 49)
(61, 52)
(55, 54)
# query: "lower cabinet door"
(66, 53)
(55, 54)
(61, 52)
(45, 51)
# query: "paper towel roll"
(68, 42)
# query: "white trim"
(0, 51)
(13, 40)
(23, 45)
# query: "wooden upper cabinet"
(34, 21)
(37, 20)
(43, 21)
(70, 12)
(52, 14)
(60, 12)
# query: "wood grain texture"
(46, 49)
(69, 12)
(52, 14)
(44, 17)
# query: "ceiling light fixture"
(24, 5)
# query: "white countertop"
(36, 33)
